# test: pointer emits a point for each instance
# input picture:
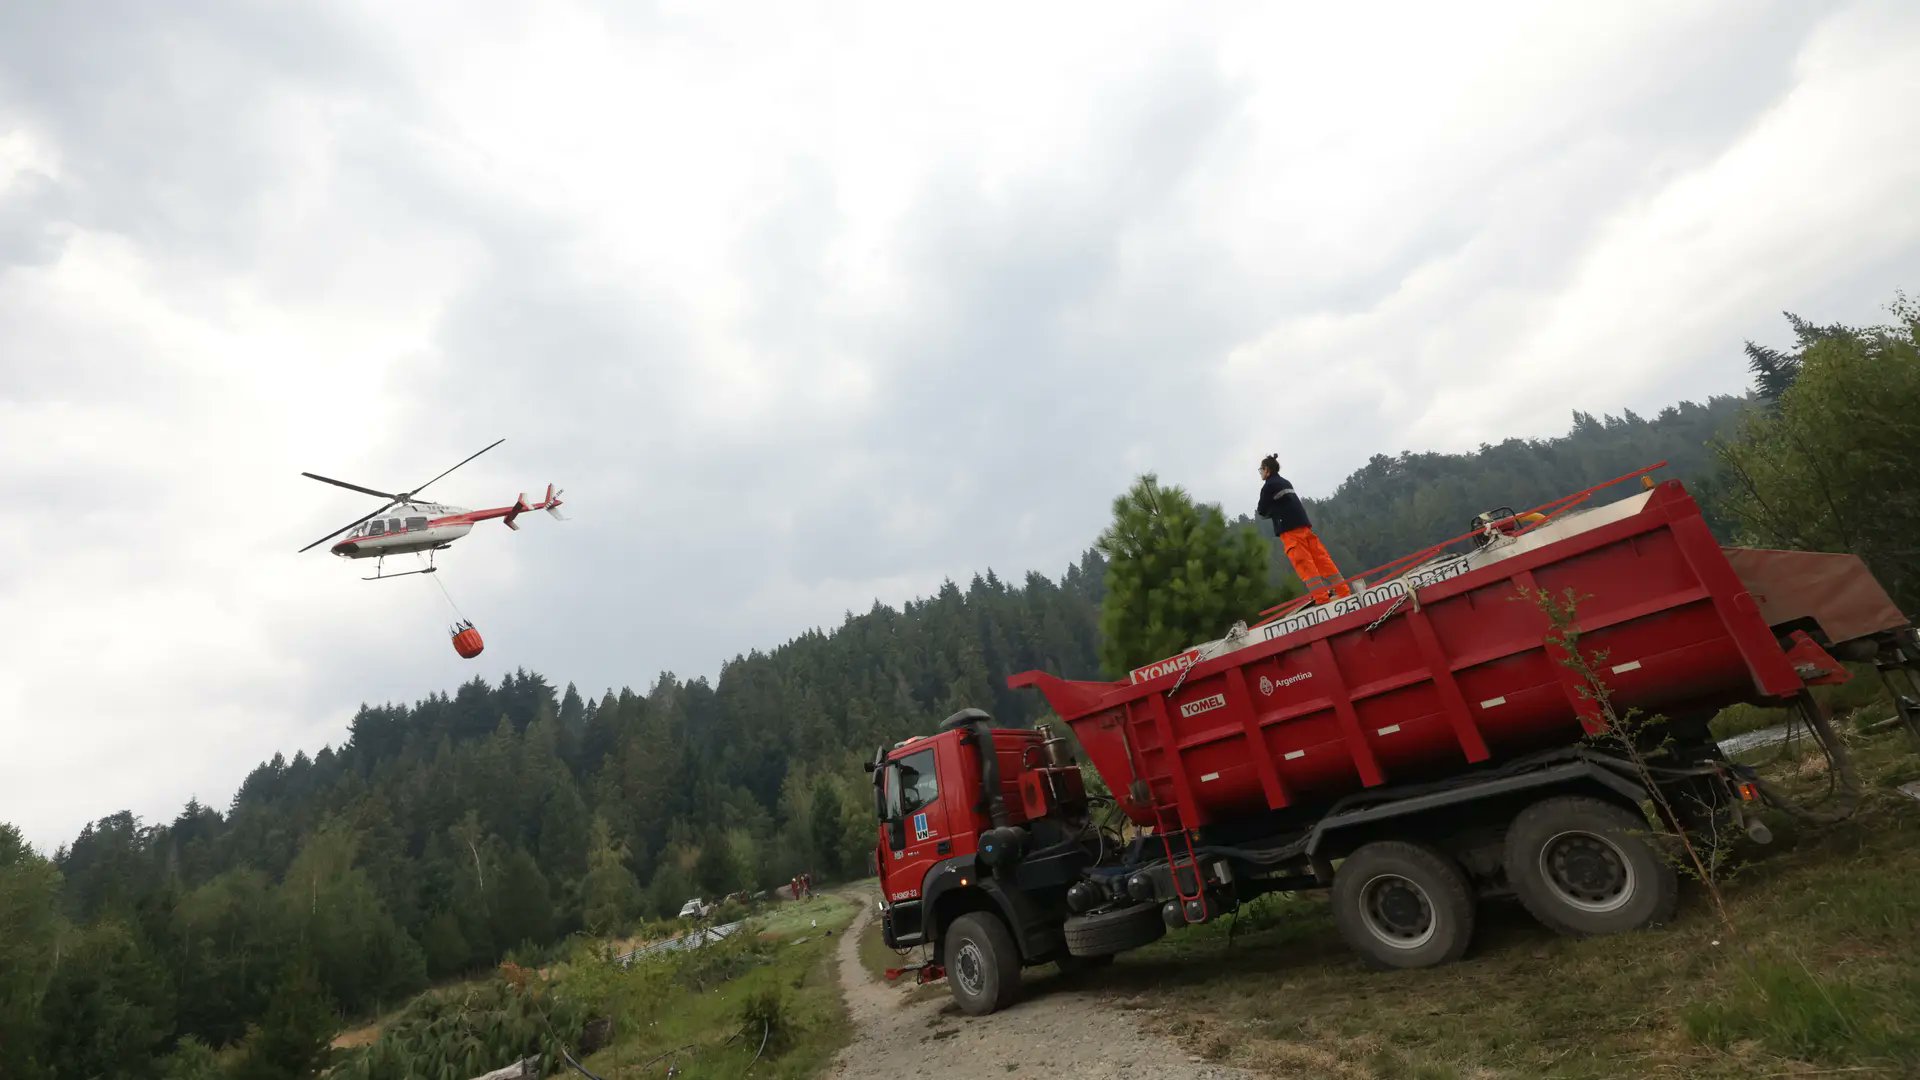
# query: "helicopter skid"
(403, 573)
(380, 574)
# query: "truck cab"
(978, 830)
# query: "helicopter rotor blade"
(470, 457)
(352, 487)
(350, 525)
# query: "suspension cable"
(457, 614)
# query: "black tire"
(1585, 867)
(1105, 933)
(983, 963)
(1073, 966)
(1403, 905)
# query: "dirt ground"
(1055, 1030)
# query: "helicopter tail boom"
(551, 504)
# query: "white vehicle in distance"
(695, 909)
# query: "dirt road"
(1054, 1031)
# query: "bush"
(191, 1060)
(529, 955)
(469, 1030)
(767, 1014)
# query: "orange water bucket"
(466, 640)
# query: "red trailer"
(1414, 746)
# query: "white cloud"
(805, 307)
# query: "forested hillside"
(440, 835)
(1395, 506)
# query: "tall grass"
(1788, 1009)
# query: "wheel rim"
(1587, 871)
(969, 969)
(1397, 911)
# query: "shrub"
(469, 1030)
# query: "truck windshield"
(918, 783)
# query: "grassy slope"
(1828, 916)
(661, 1009)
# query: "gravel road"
(1055, 1031)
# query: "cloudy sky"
(807, 305)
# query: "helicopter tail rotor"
(552, 503)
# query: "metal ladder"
(1166, 825)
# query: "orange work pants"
(1315, 567)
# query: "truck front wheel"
(983, 963)
(1402, 905)
(1584, 867)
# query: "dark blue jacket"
(1277, 501)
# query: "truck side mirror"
(897, 834)
(878, 767)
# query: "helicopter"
(407, 525)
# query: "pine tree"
(522, 902)
(1830, 467)
(191, 1060)
(1177, 575)
(446, 948)
(718, 872)
(30, 925)
(610, 891)
(826, 828)
(291, 1041)
(229, 937)
(108, 1007)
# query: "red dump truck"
(1413, 747)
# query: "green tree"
(672, 885)
(356, 949)
(1774, 370)
(859, 835)
(610, 891)
(827, 829)
(1833, 466)
(718, 871)
(446, 948)
(191, 1060)
(565, 833)
(522, 904)
(1177, 575)
(291, 1041)
(229, 939)
(30, 929)
(108, 1008)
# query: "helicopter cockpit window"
(416, 523)
(376, 528)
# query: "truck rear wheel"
(1403, 905)
(983, 963)
(1584, 867)
(1105, 933)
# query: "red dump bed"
(1458, 673)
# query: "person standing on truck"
(1303, 547)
